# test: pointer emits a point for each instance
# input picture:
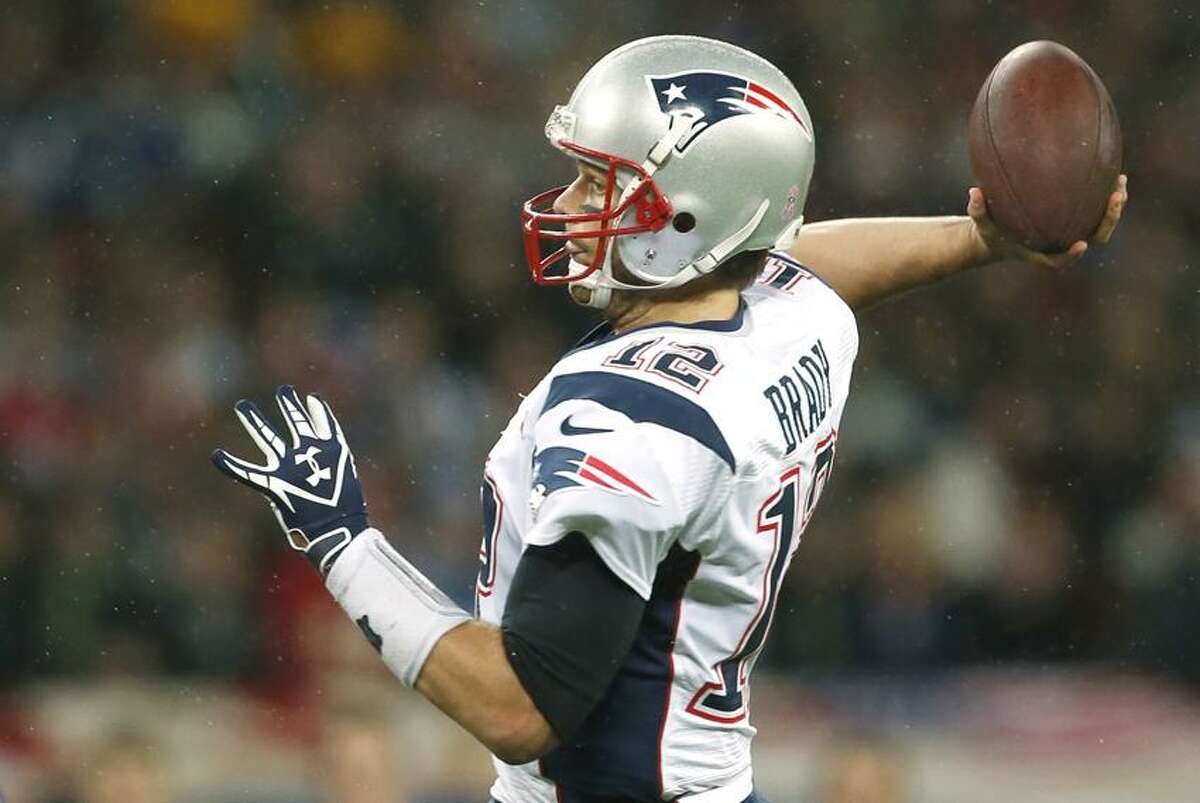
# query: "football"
(1045, 145)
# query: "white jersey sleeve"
(629, 464)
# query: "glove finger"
(335, 429)
(252, 476)
(293, 413)
(262, 433)
(319, 418)
(241, 470)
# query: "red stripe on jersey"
(588, 475)
(600, 465)
(826, 440)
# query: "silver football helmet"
(708, 150)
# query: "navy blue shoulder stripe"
(642, 402)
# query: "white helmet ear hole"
(684, 222)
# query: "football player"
(643, 504)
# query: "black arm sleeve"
(568, 624)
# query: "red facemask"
(653, 210)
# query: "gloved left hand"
(311, 483)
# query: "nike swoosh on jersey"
(568, 428)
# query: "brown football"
(1045, 145)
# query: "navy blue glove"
(311, 483)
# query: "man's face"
(585, 194)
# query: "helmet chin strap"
(599, 293)
(601, 282)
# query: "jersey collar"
(603, 333)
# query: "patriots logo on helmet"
(711, 97)
(558, 467)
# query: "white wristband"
(396, 607)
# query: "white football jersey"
(691, 456)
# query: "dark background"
(200, 200)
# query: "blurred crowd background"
(202, 199)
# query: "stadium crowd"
(202, 199)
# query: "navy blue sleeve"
(568, 624)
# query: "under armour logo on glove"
(311, 482)
(318, 473)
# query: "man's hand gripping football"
(309, 479)
(998, 245)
